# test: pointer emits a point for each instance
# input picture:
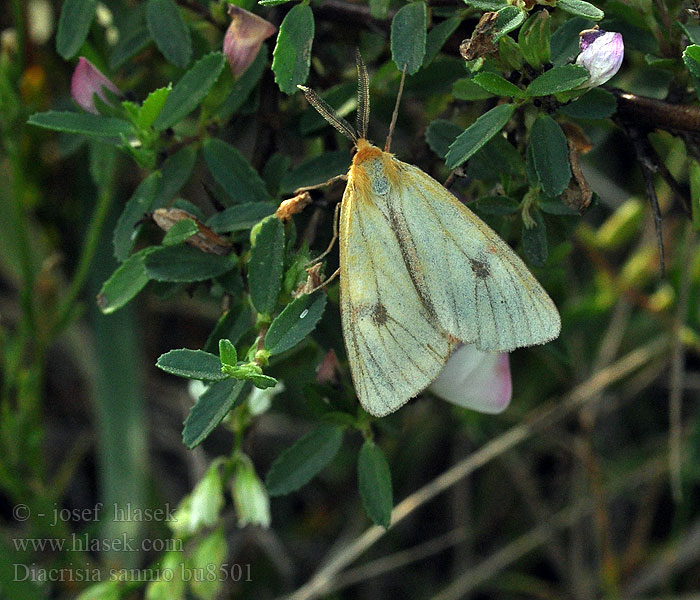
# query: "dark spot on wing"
(379, 315)
(481, 269)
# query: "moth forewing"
(395, 348)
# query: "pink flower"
(244, 37)
(475, 379)
(601, 53)
(86, 82)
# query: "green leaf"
(74, 25)
(292, 55)
(297, 465)
(497, 151)
(477, 134)
(175, 172)
(558, 79)
(227, 352)
(466, 89)
(556, 207)
(596, 103)
(379, 9)
(192, 364)
(497, 85)
(265, 265)
(438, 36)
(233, 172)
(240, 217)
(691, 58)
(440, 134)
(243, 86)
(181, 231)
(487, 5)
(209, 555)
(169, 31)
(82, 123)
(374, 483)
(152, 106)
(564, 42)
(133, 37)
(408, 37)
(272, 2)
(581, 9)
(127, 281)
(189, 92)
(496, 205)
(533, 39)
(315, 171)
(274, 170)
(509, 18)
(551, 155)
(211, 408)
(692, 31)
(295, 322)
(261, 381)
(128, 225)
(232, 325)
(535, 241)
(509, 54)
(185, 264)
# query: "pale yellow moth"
(420, 273)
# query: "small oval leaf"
(128, 227)
(233, 172)
(185, 264)
(169, 31)
(192, 364)
(74, 25)
(535, 241)
(497, 85)
(408, 36)
(580, 8)
(558, 79)
(127, 281)
(298, 464)
(211, 408)
(295, 322)
(82, 123)
(476, 135)
(189, 92)
(374, 479)
(550, 153)
(265, 265)
(292, 54)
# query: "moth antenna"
(362, 95)
(395, 115)
(327, 112)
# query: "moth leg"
(331, 181)
(325, 253)
(324, 283)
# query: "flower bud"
(88, 81)
(475, 379)
(244, 37)
(250, 496)
(601, 53)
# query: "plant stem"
(67, 306)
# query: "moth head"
(333, 118)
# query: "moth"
(420, 273)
